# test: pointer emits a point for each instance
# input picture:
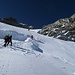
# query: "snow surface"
(41, 56)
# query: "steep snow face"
(17, 33)
(41, 56)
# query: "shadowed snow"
(41, 56)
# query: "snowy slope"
(41, 56)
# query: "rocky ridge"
(12, 21)
(62, 29)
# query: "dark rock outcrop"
(12, 21)
(62, 29)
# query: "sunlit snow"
(41, 56)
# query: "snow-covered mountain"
(41, 56)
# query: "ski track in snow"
(5, 62)
(42, 56)
(16, 47)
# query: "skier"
(7, 40)
(30, 38)
(28, 29)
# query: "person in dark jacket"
(7, 40)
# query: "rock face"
(62, 29)
(13, 21)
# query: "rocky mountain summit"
(62, 29)
(13, 21)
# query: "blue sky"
(37, 12)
